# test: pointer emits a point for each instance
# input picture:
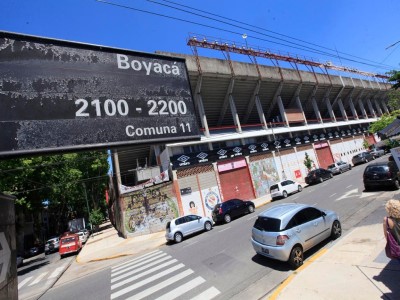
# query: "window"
(306, 215)
(267, 224)
(180, 221)
(191, 218)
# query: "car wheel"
(178, 237)
(336, 230)
(227, 218)
(250, 209)
(396, 185)
(366, 160)
(207, 226)
(299, 188)
(350, 167)
(341, 171)
(320, 180)
(284, 194)
(331, 175)
(296, 257)
(367, 188)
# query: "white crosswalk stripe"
(56, 272)
(158, 275)
(23, 282)
(38, 279)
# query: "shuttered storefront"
(263, 172)
(198, 189)
(370, 139)
(338, 151)
(235, 180)
(324, 154)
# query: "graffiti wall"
(211, 197)
(264, 173)
(192, 204)
(149, 210)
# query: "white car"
(83, 235)
(52, 245)
(181, 227)
(284, 188)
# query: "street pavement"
(354, 267)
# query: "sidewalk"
(355, 267)
(107, 244)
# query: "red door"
(324, 156)
(236, 183)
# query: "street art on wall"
(149, 210)
(211, 197)
(192, 205)
(264, 173)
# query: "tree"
(383, 122)
(395, 78)
(365, 144)
(308, 162)
(394, 99)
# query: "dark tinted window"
(306, 215)
(180, 221)
(274, 187)
(267, 224)
(228, 204)
(191, 218)
(377, 169)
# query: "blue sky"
(362, 28)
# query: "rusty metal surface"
(122, 92)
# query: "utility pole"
(87, 205)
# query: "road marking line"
(224, 229)
(332, 195)
(40, 277)
(349, 186)
(161, 285)
(137, 259)
(180, 290)
(23, 282)
(143, 282)
(190, 244)
(131, 266)
(141, 274)
(56, 272)
(285, 283)
(207, 294)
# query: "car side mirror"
(323, 214)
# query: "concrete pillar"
(282, 111)
(235, 116)
(316, 110)
(378, 108)
(300, 106)
(117, 172)
(342, 110)
(198, 100)
(261, 113)
(371, 109)
(353, 109)
(330, 110)
(384, 106)
(362, 108)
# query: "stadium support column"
(362, 108)
(300, 106)
(261, 113)
(342, 111)
(384, 106)
(282, 111)
(371, 109)
(235, 115)
(198, 100)
(329, 106)
(353, 109)
(378, 108)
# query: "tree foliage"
(394, 78)
(383, 122)
(394, 99)
(57, 183)
(308, 162)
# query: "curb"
(286, 282)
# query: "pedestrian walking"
(391, 228)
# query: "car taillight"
(281, 239)
(389, 174)
(220, 210)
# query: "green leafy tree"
(365, 144)
(308, 162)
(96, 218)
(394, 99)
(394, 78)
(383, 122)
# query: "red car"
(69, 243)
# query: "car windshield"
(267, 224)
(331, 166)
(274, 187)
(68, 240)
(377, 169)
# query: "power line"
(263, 29)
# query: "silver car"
(181, 227)
(339, 167)
(285, 231)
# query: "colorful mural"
(149, 210)
(264, 173)
(192, 204)
(211, 197)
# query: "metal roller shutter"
(324, 154)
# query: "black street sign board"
(58, 95)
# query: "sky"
(355, 33)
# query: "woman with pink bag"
(391, 229)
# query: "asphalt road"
(221, 264)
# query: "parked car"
(35, 250)
(381, 174)
(339, 167)
(69, 243)
(20, 261)
(284, 188)
(181, 227)
(226, 211)
(83, 235)
(377, 152)
(52, 245)
(318, 176)
(284, 232)
(361, 158)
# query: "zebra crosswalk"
(159, 276)
(44, 276)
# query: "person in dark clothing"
(393, 219)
